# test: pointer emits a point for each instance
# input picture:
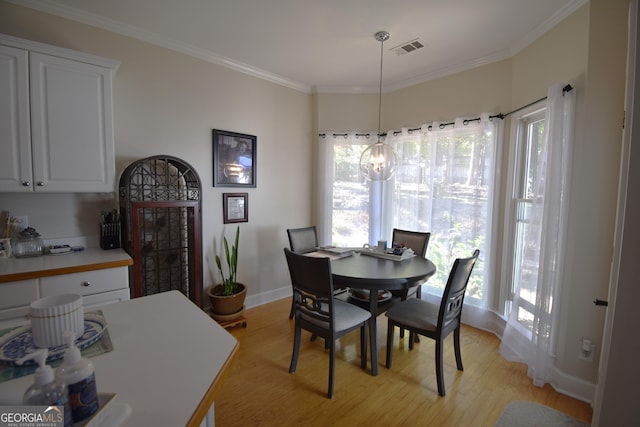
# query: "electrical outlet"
(586, 350)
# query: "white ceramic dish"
(53, 315)
(19, 342)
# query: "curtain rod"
(501, 116)
(567, 88)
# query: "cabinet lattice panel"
(161, 226)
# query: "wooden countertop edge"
(26, 275)
(205, 404)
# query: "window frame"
(517, 164)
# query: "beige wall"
(168, 103)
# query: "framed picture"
(235, 207)
(234, 159)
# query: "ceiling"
(328, 45)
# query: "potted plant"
(227, 298)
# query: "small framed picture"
(235, 207)
(234, 159)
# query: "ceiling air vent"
(407, 47)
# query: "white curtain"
(531, 328)
(444, 184)
(344, 198)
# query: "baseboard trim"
(267, 297)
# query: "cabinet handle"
(86, 284)
(26, 183)
(40, 184)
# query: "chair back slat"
(453, 296)
(303, 240)
(416, 240)
(312, 285)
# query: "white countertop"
(168, 360)
(12, 269)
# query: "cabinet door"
(71, 125)
(15, 138)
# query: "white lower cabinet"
(97, 287)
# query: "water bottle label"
(84, 398)
(66, 405)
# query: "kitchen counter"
(14, 269)
(169, 360)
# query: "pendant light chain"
(378, 161)
(380, 91)
(381, 36)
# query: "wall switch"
(587, 348)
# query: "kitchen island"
(168, 361)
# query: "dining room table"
(375, 273)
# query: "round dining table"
(363, 271)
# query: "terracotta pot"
(226, 304)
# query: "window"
(344, 197)
(444, 184)
(527, 134)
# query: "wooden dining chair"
(317, 311)
(435, 321)
(302, 240)
(417, 241)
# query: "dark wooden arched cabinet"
(161, 226)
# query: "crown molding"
(94, 20)
(74, 14)
(554, 20)
(515, 48)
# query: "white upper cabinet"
(15, 133)
(56, 119)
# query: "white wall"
(168, 103)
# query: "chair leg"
(389, 344)
(363, 345)
(296, 350)
(439, 363)
(332, 367)
(405, 295)
(412, 339)
(293, 303)
(456, 346)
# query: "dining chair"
(317, 311)
(417, 241)
(302, 240)
(435, 321)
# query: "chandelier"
(378, 161)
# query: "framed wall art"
(234, 159)
(235, 207)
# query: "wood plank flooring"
(259, 390)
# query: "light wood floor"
(259, 391)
